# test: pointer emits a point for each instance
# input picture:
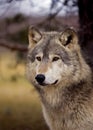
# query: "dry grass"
(20, 107)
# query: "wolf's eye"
(38, 58)
(56, 58)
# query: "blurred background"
(20, 107)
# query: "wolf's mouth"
(55, 82)
(45, 84)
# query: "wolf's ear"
(34, 36)
(69, 38)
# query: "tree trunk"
(86, 28)
(86, 22)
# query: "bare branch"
(8, 1)
(54, 6)
(13, 46)
(66, 2)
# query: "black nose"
(40, 78)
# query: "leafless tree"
(85, 11)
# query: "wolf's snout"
(40, 78)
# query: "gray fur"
(67, 104)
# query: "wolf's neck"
(79, 91)
(68, 96)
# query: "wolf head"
(53, 58)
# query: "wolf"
(62, 77)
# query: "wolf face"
(51, 57)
